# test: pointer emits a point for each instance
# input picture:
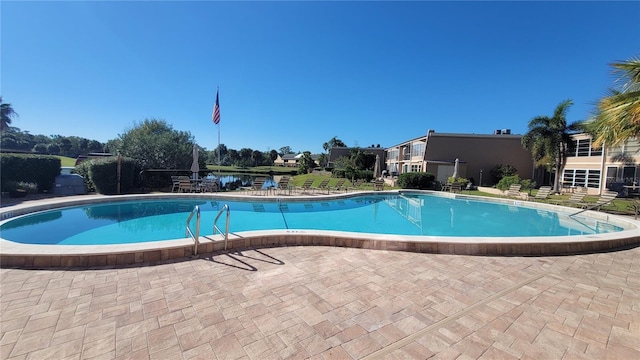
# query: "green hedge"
(83, 170)
(101, 175)
(506, 182)
(416, 180)
(355, 174)
(27, 168)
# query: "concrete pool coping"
(14, 254)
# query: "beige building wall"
(610, 168)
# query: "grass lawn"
(621, 206)
(66, 161)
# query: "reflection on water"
(133, 210)
(236, 181)
(25, 221)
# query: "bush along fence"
(101, 175)
(416, 180)
(26, 172)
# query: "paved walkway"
(329, 303)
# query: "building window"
(392, 155)
(584, 147)
(612, 175)
(417, 149)
(629, 175)
(581, 178)
(416, 168)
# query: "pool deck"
(318, 302)
(307, 302)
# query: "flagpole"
(216, 120)
(219, 163)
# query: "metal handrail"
(196, 210)
(595, 205)
(216, 228)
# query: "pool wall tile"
(97, 260)
(185, 252)
(13, 261)
(126, 259)
(149, 256)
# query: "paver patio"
(328, 303)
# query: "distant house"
(436, 153)
(286, 160)
(292, 160)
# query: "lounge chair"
(356, 184)
(209, 185)
(339, 185)
(257, 184)
(605, 199)
(514, 191)
(184, 184)
(455, 187)
(324, 185)
(283, 185)
(378, 185)
(175, 183)
(306, 186)
(575, 199)
(543, 193)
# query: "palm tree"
(618, 117)
(549, 139)
(6, 115)
(334, 142)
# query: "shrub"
(354, 174)
(104, 175)
(82, 169)
(101, 175)
(366, 175)
(40, 170)
(500, 171)
(339, 173)
(416, 180)
(29, 187)
(506, 182)
(528, 184)
(459, 180)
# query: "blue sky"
(299, 73)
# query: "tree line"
(153, 143)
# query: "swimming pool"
(410, 214)
(413, 221)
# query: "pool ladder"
(216, 229)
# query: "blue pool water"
(401, 214)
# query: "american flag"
(216, 111)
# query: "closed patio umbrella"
(195, 167)
(455, 169)
(376, 168)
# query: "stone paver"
(328, 303)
